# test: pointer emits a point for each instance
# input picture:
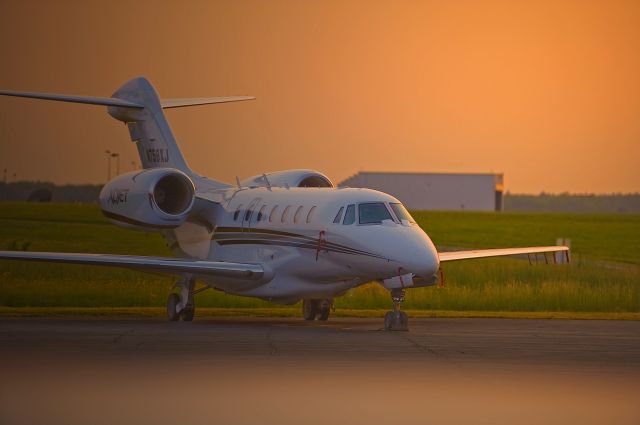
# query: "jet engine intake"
(157, 198)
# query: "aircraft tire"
(396, 321)
(172, 303)
(388, 320)
(324, 309)
(310, 309)
(187, 313)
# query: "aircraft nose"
(420, 256)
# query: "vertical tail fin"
(148, 127)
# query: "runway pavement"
(248, 370)
(572, 344)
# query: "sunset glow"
(546, 92)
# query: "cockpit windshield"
(401, 212)
(350, 215)
(373, 213)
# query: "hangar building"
(436, 191)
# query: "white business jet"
(282, 236)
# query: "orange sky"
(546, 92)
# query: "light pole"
(117, 157)
(108, 152)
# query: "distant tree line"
(49, 192)
(544, 202)
(566, 202)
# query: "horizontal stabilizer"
(112, 101)
(484, 253)
(178, 103)
(105, 101)
(168, 265)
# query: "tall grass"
(512, 285)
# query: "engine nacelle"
(289, 178)
(153, 199)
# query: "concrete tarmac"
(573, 344)
(248, 370)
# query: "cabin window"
(296, 216)
(338, 216)
(247, 214)
(261, 213)
(373, 213)
(310, 214)
(350, 215)
(285, 213)
(237, 213)
(401, 212)
(272, 215)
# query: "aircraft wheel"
(388, 320)
(310, 309)
(172, 307)
(187, 313)
(324, 310)
(396, 321)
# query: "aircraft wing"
(483, 253)
(168, 265)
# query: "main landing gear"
(316, 308)
(396, 320)
(181, 306)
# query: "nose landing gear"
(396, 320)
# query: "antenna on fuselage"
(266, 180)
(238, 182)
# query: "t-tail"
(148, 126)
(137, 104)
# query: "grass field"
(604, 277)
